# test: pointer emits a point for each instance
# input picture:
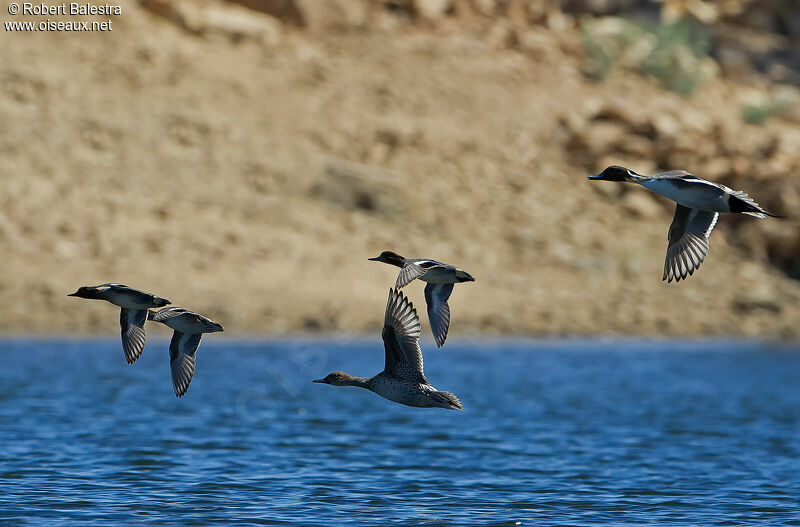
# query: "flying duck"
(402, 379)
(699, 203)
(134, 304)
(189, 327)
(440, 277)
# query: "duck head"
(339, 378)
(617, 173)
(389, 257)
(86, 292)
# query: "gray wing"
(408, 274)
(401, 331)
(113, 285)
(182, 349)
(688, 242)
(436, 296)
(131, 322)
(167, 313)
(673, 173)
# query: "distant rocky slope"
(245, 158)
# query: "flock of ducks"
(698, 204)
(136, 310)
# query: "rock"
(501, 34)
(313, 14)
(666, 125)
(734, 61)
(229, 20)
(486, 7)
(357, 187)
(758, 297)
(675, 10)
(620, 111)
(431, 9)
(318, 15)
(536, 42)
(784, 252)
(638, 146)
(696, 121)
(516, 13)
(184, 14)
(238, 23)
(604, 137)
(640, 205)
(717, 168)
(285, 10)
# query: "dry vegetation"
(246, 166)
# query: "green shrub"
(673, 54)
(759, 113)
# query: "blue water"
(556, 433)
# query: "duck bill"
(376, 259)
(597, 177)
(321, 381)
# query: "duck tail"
(772, 215)
(741, 203)
(446, 400)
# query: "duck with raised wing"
(699, 203)
(402, 379)
(134, 304)
(440, 277)
(189, 327)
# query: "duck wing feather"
(401, 331)
(688, 242)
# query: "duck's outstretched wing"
(436, 296)
(408, 274)
(134, 338)
(688, 242)
(182, 350)
(401, 331)
(166, 313)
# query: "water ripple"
(580, 433)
